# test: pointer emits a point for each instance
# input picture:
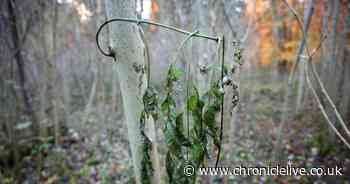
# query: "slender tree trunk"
(342, 64)
(325, 53)
(308, 11)
(288, 95)
(277, 38)
(127, 46)
(20, 64)
(92, 95)
(52, 75)
(49, 95)
(325, 65)
(331, 81)
(346, 98)
(333, 49)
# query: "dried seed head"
(235, 100)
(227, 80)
(203, 69)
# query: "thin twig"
(300, 24)
(322, 108)
(323, 89)
(302, 46)
(320, 83)
(319, 46)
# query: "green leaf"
(177, 73)
(146, 163)
(179, 122)
(167, 104)
(173, 144)
(92, 162)
(174, 74)
(181, 138)
(209, 115)
(192, 102)
(169, 133)
(198, 153)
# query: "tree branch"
(319, 82)
(324, 113)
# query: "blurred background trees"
(55, 83)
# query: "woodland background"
(61, 112)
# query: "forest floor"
(103, 157)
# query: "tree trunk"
(288, 95)
(325, 53)
(325, 65)
(92, 95)
(278, 38)
(20, 64)
(308, 11)
(127, 46)
(342, 65)
(52, 75)
(331, 81)
(333, 48)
